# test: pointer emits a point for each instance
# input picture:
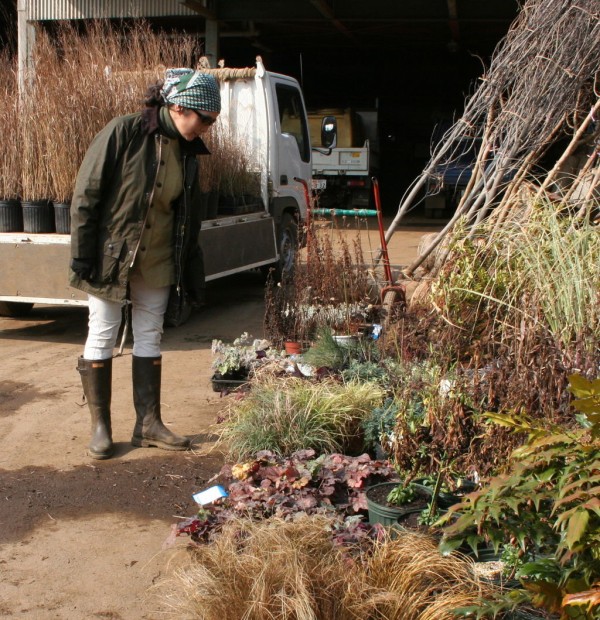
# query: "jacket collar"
(151, 124)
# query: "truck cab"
(342, 174)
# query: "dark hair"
(153, 101)
(153, 97)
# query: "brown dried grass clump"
(273, 570)
(270, 569)
(412, 581)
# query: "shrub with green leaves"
(378, 426)
(284, 415)
(548, 502)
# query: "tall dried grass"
(276, 570)
(10, 156)
(229, 170)
(83, 80)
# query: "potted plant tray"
(228, 381)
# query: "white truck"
(342, 175)
(263, 112)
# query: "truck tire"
(288, 247)
(15, 308)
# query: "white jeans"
(148, 306)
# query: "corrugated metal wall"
(90, 9)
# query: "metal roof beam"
(200, 8)
(326, 11)
(453, 21)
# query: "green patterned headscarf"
(192, 89)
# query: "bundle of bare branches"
(535, 116)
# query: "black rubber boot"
(96, 378)
(149, 431)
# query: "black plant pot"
(11, 216)
(62, 217)
(446, 499)
(38, 216)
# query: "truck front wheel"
(288, 246)
(14, 308)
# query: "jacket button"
(165, 141)
(147, 225)
(162, 163)
(159, 185)
(142, 249)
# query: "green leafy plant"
(429, 516)
(402, 494)
(548, 503)
(240, 356)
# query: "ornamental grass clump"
(280, 570)
(409, 580)
(541, 275)
(520, 310)
(271, 569)
(287, 414)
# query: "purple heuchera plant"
(270, 485)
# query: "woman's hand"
(85, 268)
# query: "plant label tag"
(209, 495)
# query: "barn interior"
(414, 61)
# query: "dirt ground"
(83, 539)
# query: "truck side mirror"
(329, 132)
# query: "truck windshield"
(292, 117)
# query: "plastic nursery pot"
(11, 216)
(383, 513)
(293, 348)
(345, 340)
(447, 499)
(62, 217)
(38, 216)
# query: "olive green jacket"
(112, 194)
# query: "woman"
(134, 231)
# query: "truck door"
(294, 160)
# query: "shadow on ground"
(157, 487)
